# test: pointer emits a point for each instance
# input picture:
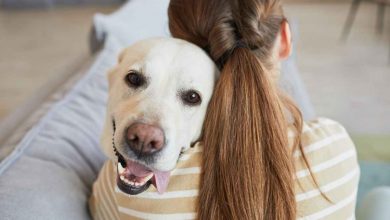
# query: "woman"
(248, 169)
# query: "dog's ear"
(110, 76)
(111, 73)
(122, 55)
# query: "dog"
(158, 96)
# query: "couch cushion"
(50, 172)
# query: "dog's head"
(158, 96)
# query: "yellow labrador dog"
(158, 95)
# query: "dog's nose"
(144, 139)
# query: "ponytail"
(247, 171)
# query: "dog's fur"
(170, 67)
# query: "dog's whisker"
(121, 160)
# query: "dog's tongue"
(137, 169)
(161, 180)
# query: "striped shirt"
(327, 146)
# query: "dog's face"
(158, 95)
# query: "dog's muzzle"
(133, 177)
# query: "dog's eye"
(191, 97)
(135, 79)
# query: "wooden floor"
(39, 45)
(349, 81)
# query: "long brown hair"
(247, 166)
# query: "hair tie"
(241, 44)
(238, 44)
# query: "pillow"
(135, 20)
(50, 172)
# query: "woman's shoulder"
(324, 131)
(322, 127)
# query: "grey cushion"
(50, 172)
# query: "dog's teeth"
(134, 182)
(128, 182)
(146, 179)
(120, 168)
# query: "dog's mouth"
(134, 178)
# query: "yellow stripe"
(325, 188)
(332, 162)
(343, 213)
(327, 210)
(107, 189)
(319, 206)
(325, 176)
(102, 200)
(193, 160)
(164, 206)
(324, 154)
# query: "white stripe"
(320, 144)
(306, 128)
(145, 215)
(104, 209)
(320, 123)
(185, 171)
(352, 217)
(328, 187)
(327, 164)
(101, 214)
(99, 208)
(331, 209)
(165, 195)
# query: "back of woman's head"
(247, 170)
